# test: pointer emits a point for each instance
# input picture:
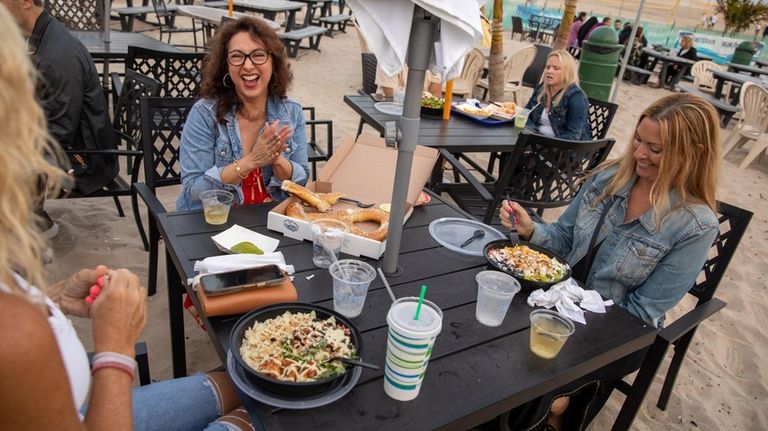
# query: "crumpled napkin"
(232, 262)
(564, 296)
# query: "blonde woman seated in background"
(46, 381)
(559, 108)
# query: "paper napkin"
(237, 234)
(564, 296)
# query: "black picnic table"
(458, 135)
(475, 372)
(741, 68)
(268, 8)
(667, 59)
(738, 79)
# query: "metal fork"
(358, 203)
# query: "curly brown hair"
(215, 63)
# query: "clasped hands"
(118, 311)
(271, 142)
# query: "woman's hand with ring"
(270, 143)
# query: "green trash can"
(597, 67)
(744, 53)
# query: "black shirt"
(70, 93)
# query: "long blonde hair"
(690, 165)
(24, 142)
(570, 75)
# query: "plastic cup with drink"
(351, 279)
(398, 95)
(409, 345)
(549, 332)
(327, 237)
(216, 204)
(495, 291)
(521, 117)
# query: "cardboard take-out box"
(362, 170)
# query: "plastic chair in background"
(514, 69)
(753, 124)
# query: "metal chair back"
(180, 73)
(369, 63)
(80, 15)
(126, 120)
(600, 117)
(517, 27)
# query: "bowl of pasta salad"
(533, 266)
(289, 348)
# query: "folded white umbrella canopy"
(425, 33)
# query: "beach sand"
(723, 381)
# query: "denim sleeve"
(196, 154)
(672, 278)
(298, 156)
(577, 120)
(558, 236)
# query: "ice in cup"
(521, 117)
(409, 346)
(351, 279)
(549, 332)
(216, 204)
(327, 236)
(495, 291)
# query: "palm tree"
(739, 15)
(496, 60)
(561, 39)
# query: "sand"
(723, 381)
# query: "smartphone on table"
(243, 279)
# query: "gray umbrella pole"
(627, 52)
(107, 11)
(419, 53)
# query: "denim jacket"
(642, 268)
(208, 146)
(569, 118)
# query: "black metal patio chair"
(315, 152)
(369, 64)
(80, 15)
(678, 334)
(180, 73)
(162, 122)
(541, 172)
(166, 22)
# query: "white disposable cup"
(216, 204)
(351, 279)
(409, 346)
(398, 95)
(521, 117)
(495, 291)
(327, 238)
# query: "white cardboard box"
(362, 170)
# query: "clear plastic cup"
(409, 346)
(521, 117)
(351, 279)
(327, 238)
(398, 95)
(495, 291)
(216, 204)
(549, 332)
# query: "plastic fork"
(358, 203)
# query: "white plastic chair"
(753, 125)
(514, 69)
(704, 80)
(473, 65)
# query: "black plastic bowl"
(525, 285)
(427, 111)
(280, 387)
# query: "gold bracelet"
(238, 172)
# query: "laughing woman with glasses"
(244, 135)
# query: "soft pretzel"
(348, 216)
(320, 201)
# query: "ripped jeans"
(184, 404)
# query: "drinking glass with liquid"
(216, 204)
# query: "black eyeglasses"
(257, 56)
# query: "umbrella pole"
(627, 52)
(420, 45)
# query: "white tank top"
(73, 353)
(545, 126)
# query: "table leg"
(663, 74)
(290, 22)
(176, 318)
(719, 88)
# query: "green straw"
(421, 300)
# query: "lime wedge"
(246, 247)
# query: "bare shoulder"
(33, 383)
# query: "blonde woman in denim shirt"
(559, 107)
(659, 202)
(244, 135)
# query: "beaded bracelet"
(238, 172)
(114, 360)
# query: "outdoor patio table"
(117, 48)
(667, 59)
(738, 80)
(268, 8)
(761, 63)
(312, 5)
(457, 135)
(212, 16)
(476, 372)
(752, 70)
